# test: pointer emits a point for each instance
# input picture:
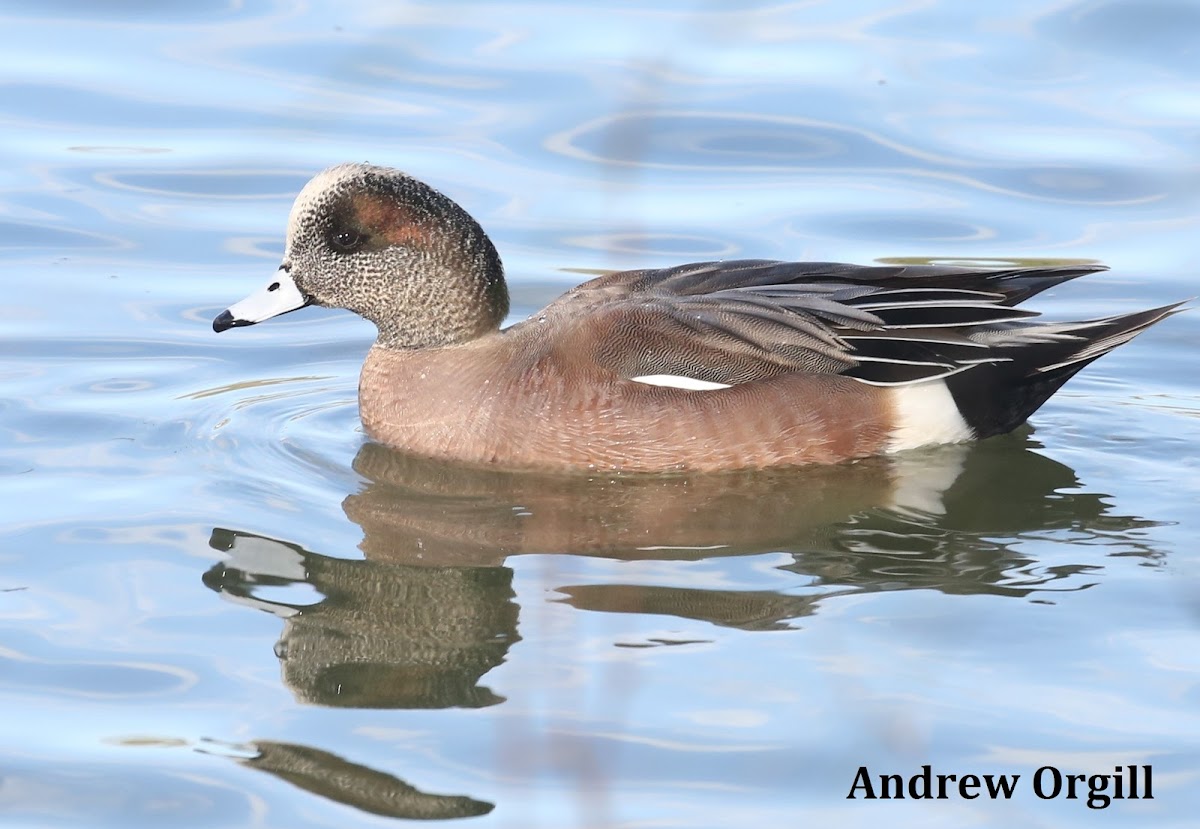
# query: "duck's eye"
(347, 240)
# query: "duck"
(705, 367)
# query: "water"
(220, 606)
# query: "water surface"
(221, 606)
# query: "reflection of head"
(399, 637)
(383, 636)
(341, 781)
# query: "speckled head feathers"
(397, 252)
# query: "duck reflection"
(417, 510)
(330, 776)
(430, 610)
(948, 519)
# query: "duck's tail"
(1037, 358)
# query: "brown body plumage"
(709, 366)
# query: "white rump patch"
(925, 415)
(676, 381)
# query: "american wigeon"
(707, 366)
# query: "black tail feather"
(996, 398)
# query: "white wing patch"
(925, 414)
(676, 381)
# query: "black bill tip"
(224, 321)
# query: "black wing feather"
(737, 321)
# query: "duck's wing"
(738, 321)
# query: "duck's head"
(389, 248)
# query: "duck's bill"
(278, 297)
